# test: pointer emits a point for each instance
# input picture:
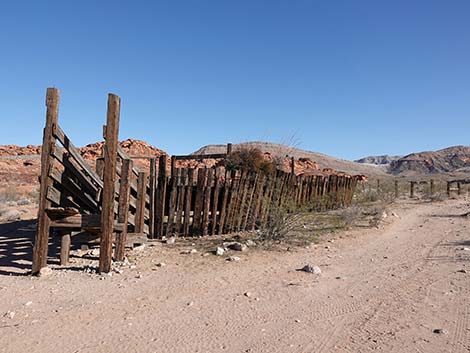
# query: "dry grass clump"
(250, 159)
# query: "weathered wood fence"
(117, 201)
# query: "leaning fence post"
(41, 238)
(109, 178)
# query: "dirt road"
(382, 289)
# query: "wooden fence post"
(123, 209)
(292, 166)
(229, 148)
(459, 188)
(173, 166)
(448, 189)
(412, 189)
(110, 156)
(41, 238)
(396, 189)
(431, 187)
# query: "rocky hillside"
(451, 159)
(321, 160)
(378, 160)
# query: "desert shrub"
(250, 159)
(349, 216)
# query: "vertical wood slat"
(241, 200)
(233, 203)
(123, 209)
(257, 202)
(187, 201)
(160, 197)
(140, 206)
(172, 202)
(41, 238)
(198, 200)
(207, 201)
(110, 163)
(152, 197)
(249, 201)
(223, 208)
(182, 181)
(215, 201)
(65, 242)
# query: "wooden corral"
(116, 201)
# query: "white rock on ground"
(311, 269)
(219, 251)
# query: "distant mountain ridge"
(378, 160)
(450, 159)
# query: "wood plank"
(73, 151)
(152, 196)
(140, 206)
(198, 200)
(223, 208)
(110, 161)
(215, 199)
(200, 156)
(187, 202)
(173, 190)
(161, 196)
(123, 210)
(182, 182)
(65, 242)
(250, 193)
(41, 238)
(258, 197)
(207, 201)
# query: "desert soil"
(385, 289)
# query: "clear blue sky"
(347, 78)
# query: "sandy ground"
(382, 289)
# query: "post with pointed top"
(41, 239)
(109, 179)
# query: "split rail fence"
(116, 201)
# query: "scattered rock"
(462, 271)
(138, 249)
(465, 249)
(170, 240)
(10, 314)
(28, 303)
(23, 202)
(188, 251)
(161, 264)
(233, 258)
(118, 270)
(95, 252)
(247, 294)
(250, 243)
(238, 246)
(395, 215)
(219, 251)
(311, 269)
(439, 331)
(45, 271)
